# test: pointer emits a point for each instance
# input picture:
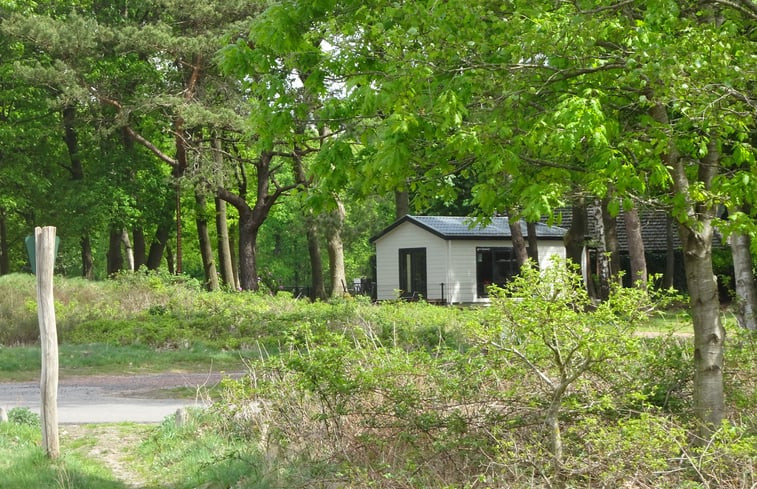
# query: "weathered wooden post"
(48, 335)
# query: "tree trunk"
(140, 255)
(610, 225)
(234, 258)
(128, 249)
(576, 235)
(336, 250)
(4, 258)
(696, 238)
(224, 248)
(709, 334)
(162, 233)
(603, 262)
(206, 248)
(169, 259)
(746, 295)
(316, 264)
(533, 243)
(115, 259)
(519, 244)
(87, 260)
(248, 238)
(670, 254)
(635, 248)
(402, 203)
(76, 170)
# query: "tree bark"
(603, 262)
(336, 250)
(610, 225)
(670, 254)
(576, 235)
(224, 247)
(206, 248)
(709, 335)
(746, 295)
(316, 264)
(696, 238)
(402, 203)
(162, 233)
(533, 243)
(519, 244)
(252, 217)
(318, 287)
(128, 249)
(140, 255)
(635, 248)
(115, 259)
(4, 258)
(76, 170)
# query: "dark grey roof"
(454, 227)
(656, 227)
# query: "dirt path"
(113, 445)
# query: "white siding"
(408, 235)
(451, 262)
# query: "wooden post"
(48, 334)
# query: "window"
(413, 272)
(494, 266)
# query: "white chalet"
(448, 259)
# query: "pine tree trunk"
(336, 250)
(224, 246)
(746, 295)
(636, 248)
(206, 248)
(162, 233)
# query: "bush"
(23, 416)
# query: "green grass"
(20, 363)
(24, 464)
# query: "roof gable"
(455, 227)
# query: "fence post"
(48, 334)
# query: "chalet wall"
(451, 262)
(408, 235)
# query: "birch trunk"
(746, 295)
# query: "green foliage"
(23, 416)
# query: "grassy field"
(398, 395)
(22, 363)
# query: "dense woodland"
(260, 144)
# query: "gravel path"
(113, 398)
